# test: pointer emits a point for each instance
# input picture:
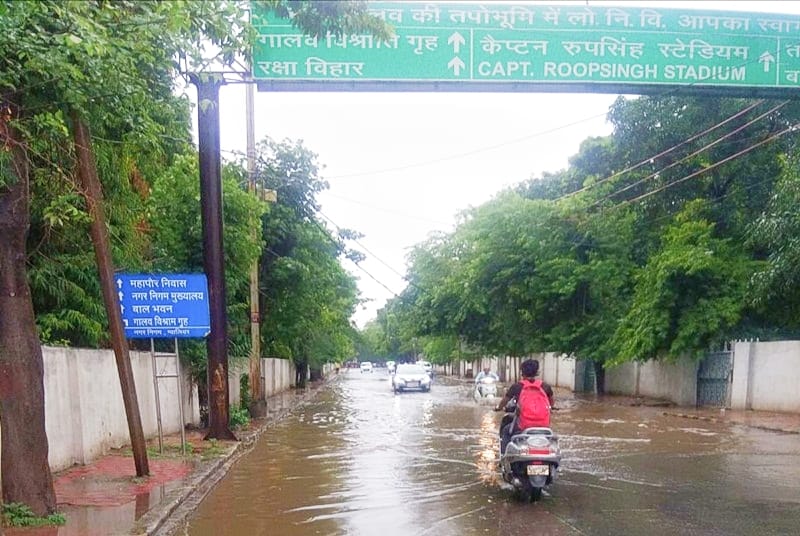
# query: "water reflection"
(360, 460)
(486, 458)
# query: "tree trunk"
(316, 374)
(25, 469)
(301, 372)
(599, 377)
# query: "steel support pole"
(180, 397)
(157, 396)
(213, 252)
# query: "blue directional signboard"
(164, 306)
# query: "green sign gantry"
(526, 47)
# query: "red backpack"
(533, 405)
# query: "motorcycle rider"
(529, 369)
(486, 373)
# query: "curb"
(729, 421)
(171, 514)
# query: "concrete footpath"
(105, 498)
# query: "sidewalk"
(106, 498)
(777, 422)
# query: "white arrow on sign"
(766, 59)
(122, 309)
(120, 294)
(456, 64)
(119, 283)
(456, 39)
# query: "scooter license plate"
(538, 470)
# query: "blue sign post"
(164, 306)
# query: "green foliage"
(239, 417)
(582, 261)
(307, 297)
(244, 391)
(777, 233)
(318, 18)
(20, 515)
(689, 293)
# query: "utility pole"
(93, 193)
(213, 252)
(258, 407)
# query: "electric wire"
(363, 246)
(663, 153)
(690, 155)
(712, 166)
(327, 234)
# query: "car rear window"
(410, 369)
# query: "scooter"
(531, 458)
(485, 390)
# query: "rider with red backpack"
(534, 400)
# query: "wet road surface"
(359, 460)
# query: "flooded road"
(359, 460)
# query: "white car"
(366, 366)
(409, 376)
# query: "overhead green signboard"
(453, 46)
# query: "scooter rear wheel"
(530, 493)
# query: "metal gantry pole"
(213, 253)
(180, 397)
(158, 399)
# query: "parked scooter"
(531, 458)
(485, 390)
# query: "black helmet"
(529, 368)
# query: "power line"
(662, 153)
(335, 243)
(469, 153)
(691, 155)
(715, 165)
(381, 209)
(363, 246)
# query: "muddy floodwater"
(360, 460)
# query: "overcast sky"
(403, 165)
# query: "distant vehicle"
(486, 389)
(366, 366)
(391, 365)
(408, 376)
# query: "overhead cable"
(691, 155)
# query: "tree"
(775, 234)
(307, 297)
(689, 293)
(173, 220)
(112, 63)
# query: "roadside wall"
(674, 381)
(277, 375)
(766, 376)
(559, 370)
(84, 412)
